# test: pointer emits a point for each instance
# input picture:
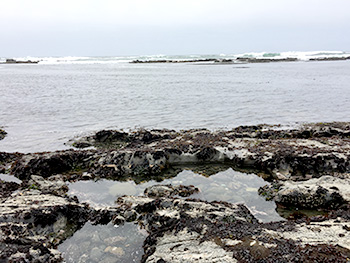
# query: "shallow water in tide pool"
(229, 185)
(104, 244)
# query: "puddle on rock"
(228, 185)
(10, 178)
(104, 244)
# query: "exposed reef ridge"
(308, 167)
(236, 60)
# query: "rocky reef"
(2, 134)
(13, 61)
(217, 61)
(307, 167)
(214, 61)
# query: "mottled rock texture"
(309, 167)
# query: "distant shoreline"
(238, 60)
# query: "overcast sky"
(140, 27)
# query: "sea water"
(44, 105)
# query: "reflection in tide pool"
(229, 185)
(104, 244)
(10, 178)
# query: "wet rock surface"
(309, 167)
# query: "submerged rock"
(116, 251)
(170, 190)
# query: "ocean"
(44, 105)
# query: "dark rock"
(329, 59)
(13, 61)
(2, 134)
(47, 164)
(206, 154)
(265, 60)
(105, 136)
(7, 188)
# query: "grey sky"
(136, 27)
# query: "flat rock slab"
(326, 192)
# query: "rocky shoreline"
(308, 167)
